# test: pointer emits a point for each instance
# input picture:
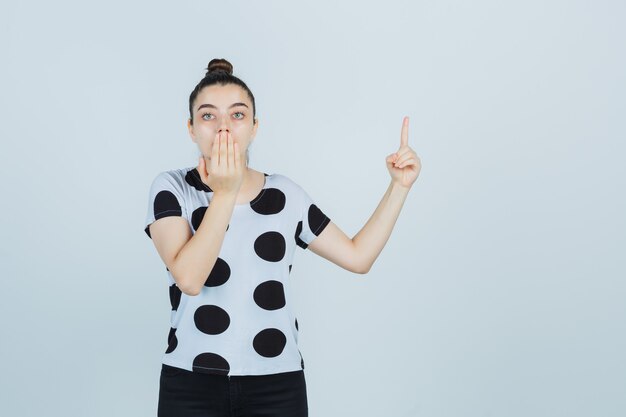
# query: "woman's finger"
(223, 152)
(405, 156)
(231, 153)
(399, 154)
(404, 134)
(215, 152)
(410, 161)
(237, 156)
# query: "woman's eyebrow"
(213, 107)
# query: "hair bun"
(219, 64)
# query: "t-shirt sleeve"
(165, 199)
(312, 220)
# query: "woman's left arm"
(359, 253)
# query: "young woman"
(227, 235)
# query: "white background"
(501, 289)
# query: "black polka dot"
(210, 363)
(290, 269)
(219, 274)
(297, 324)
(197, 216)
(317, 220)
(299, 241)
(269, 342)
(175, 294)
(270, 295)
(165, 205)
(271, 201)
(211, 319)
(172, 341)
(270, 246)
(193, 178)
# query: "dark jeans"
(183, 393)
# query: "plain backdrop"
(501, 290)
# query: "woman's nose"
(224, 125)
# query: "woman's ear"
(255, 127)
(190, 128)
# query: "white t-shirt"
(242, 322)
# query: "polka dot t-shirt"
(242, 321)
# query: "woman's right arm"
(190, 258)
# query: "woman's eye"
(206, 114)
(241, 113)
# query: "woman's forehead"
(223, 94)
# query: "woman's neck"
(250, 186)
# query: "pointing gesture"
(404, 165)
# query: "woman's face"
(222, 108)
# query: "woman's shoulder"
(175, 172)
(179, 177)
(288, 185)
(283, 180)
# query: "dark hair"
(219, 71)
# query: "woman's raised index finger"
(404, 134)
